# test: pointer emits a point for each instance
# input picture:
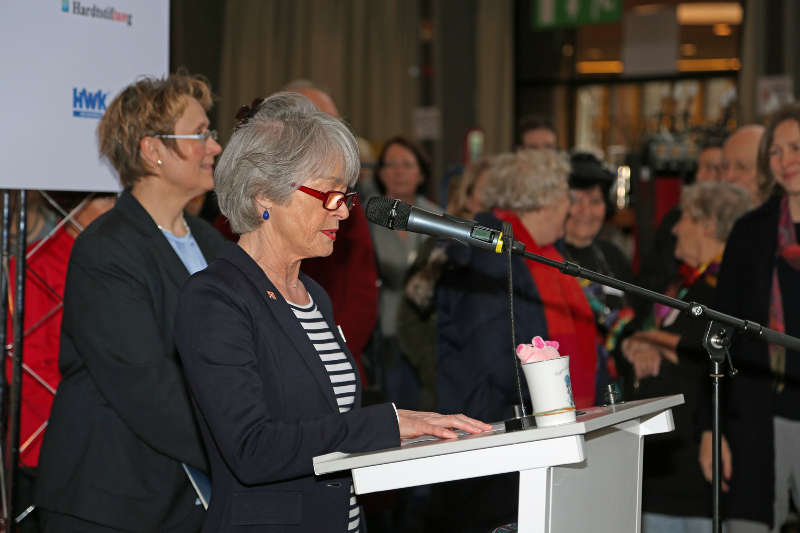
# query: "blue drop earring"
(265, 215)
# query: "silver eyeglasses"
(212, 134)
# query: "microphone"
(396, 215)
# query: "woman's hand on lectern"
(416, 423)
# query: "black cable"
(508, 239)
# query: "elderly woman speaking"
(273, 382)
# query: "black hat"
(588, 171)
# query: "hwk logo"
(65, 6)
(88, 104)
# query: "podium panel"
(581, 476)
(607, 485)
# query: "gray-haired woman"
(670, 359)
(529, 190)
(273, 382)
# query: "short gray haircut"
(526, 180)
(721, 203)
(287, 143)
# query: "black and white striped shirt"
(340, 371)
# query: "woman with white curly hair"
(475, 374)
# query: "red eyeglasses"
(332, 200)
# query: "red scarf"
(569, 317)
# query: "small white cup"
(551, 391)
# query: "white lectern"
(581, 476)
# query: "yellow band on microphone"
(499, 248)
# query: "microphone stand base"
(520, 423)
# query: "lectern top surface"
(594, 418)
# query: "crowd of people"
(308, 330)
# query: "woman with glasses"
(268, 368)
(402, 168)
(122, 426)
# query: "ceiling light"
(707, 13)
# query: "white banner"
(63, 61)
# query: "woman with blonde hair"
(466, 200)
(122, 426)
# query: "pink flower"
(538, 350)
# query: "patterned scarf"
(789, 250)
(707, 272)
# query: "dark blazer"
(474, 365)
(122, 422)
(265, 403)
(744, 288)
(673, 483)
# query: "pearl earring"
(159, 162)
(265, 215)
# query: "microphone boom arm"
(694, 309)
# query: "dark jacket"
(475, 367)
(475, 359)
(743, 290)
(673, 482)
(122, 422)
(266, 404)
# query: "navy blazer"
(122, 421)
(744, 290)
(266, 404)
(475, 359)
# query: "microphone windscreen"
(388, 212)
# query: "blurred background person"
(44, 293)
(42, 218)
(416, 317)
(465, 200)
(273, 393)
(709, 159)
(670, 359)
(401, 171)
(365, 186)
(475, 372)
(589, 185)
(349, 274)
(759, 281)
(740, 160)
(661, 267)
(536, 132)
(529, 189)
(121, 424)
